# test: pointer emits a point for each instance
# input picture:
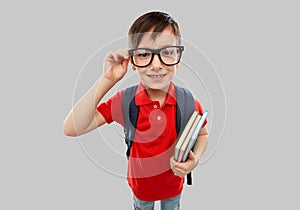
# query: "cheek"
(171, 69)
(141, 71)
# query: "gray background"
(254, 46)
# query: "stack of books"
(189, 136)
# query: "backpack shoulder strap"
(185, 108)
(130, 114)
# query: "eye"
(169, 52)
(143, 55)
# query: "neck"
(157, 94)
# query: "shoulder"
(182, 90)
(110, 109)
(187, 92)
(198, 106)
(183, 95)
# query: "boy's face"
(157, 75)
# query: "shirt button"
(155, 106)
(158, 118)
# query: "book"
(194, 136)
(184, 133)
(189, 136)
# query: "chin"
(152, 86)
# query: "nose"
(156, 63)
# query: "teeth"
(157, 76)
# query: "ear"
(133, 67)
(177, 65)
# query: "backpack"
(184, 109)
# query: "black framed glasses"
(142, 57)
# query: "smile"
(157, 76)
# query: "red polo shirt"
(149, 174)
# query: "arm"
(84, 116)
(182, 169)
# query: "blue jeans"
(168, 204)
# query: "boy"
(155, 52)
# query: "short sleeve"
(111, 109)
(199, 108)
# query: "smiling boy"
(154, 53)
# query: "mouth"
(156, 76)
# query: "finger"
(116, 57)
(125, 63)
(179, 174)
(185, 167)
(179, 171)
(178, 165)
(173, 162)
(124, 53)
(109, 57)
(176, 168)
(121, 54)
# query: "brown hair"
(154, 21)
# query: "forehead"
(156, 40)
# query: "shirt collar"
(141, 97)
